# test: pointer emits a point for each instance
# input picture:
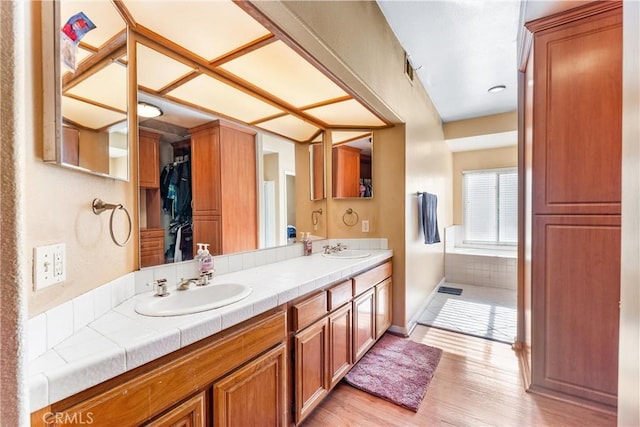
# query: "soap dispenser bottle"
(205, 260)
(307, 245)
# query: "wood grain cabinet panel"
(364, 323)
(151, 246)
(573, 158)
(191, 413)
(311, 367)
(254, 395)
(149, 164)
(576, 334)
(340, 343)
(383, 307)
(346, 171)
(369, 279)
(339, 294)
(223, 169)
(578, 116)
(309, 310)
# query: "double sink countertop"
(122, 339)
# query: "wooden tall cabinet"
(575, 159)
(346, 171)
(151, 232)
(223, 164)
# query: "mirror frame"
(317, 171)
(52, 123)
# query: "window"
(491, 206)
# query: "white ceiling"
(460, 48)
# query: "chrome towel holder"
(349, 213)
(100, 206)
(314, 216)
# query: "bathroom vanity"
(271, 368)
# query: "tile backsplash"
(55, 325)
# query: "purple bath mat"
(396, 369)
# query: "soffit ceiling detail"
(222, 63)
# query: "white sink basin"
(348, 254)
(193, 300)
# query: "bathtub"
(494, 267)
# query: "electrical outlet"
(49, 265)
(365, 225)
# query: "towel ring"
(314, 216)
(100, 206)
(349, 213)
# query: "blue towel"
(430, 218)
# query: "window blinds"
(491, 206)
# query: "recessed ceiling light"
(148, 110)
(496, 89)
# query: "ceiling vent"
(408, 68)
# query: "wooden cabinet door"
(254, 395)
(346, 171)
(578, 116)
(575, 305)
(364, 323)
(340, 344)
(383, 307)
(208, 229)
(238, 189)
(311, 367)
(576, 192)
(205, 171)
(149, 159)
(191, 413)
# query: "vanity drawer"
(308, 311)
(151, 246)
(340, 294)
(369, 279)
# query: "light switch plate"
(49, 265)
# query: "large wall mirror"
(206, 178)
(351, 160)
(85, 74)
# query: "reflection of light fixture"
(148, 110)
(496, 89)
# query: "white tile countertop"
(121, 339)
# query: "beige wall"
(629, 353)
(58, 205)
(410, 157)
(476, 160)
(304, 205)
(495, 123)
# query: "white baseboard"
(405, 331)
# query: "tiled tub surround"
(478, 266)
(98, 335)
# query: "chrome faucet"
(161, 288)
(203, 280)
(205, 276)
(337, 248)
(184, 284)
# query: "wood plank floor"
(477, 383)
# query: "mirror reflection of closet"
(351, 160)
